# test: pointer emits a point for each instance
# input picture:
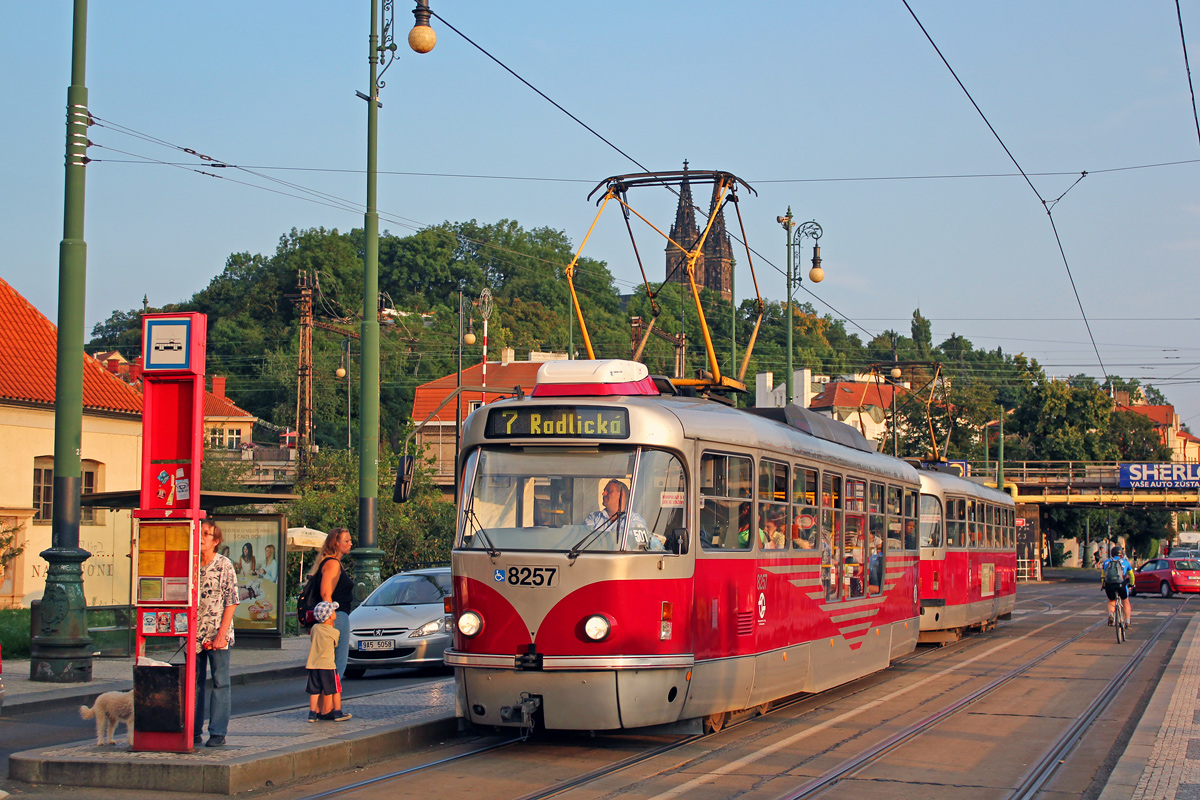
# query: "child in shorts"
(324, 685)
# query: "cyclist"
(1117, 572)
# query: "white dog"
(109, 709)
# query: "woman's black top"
(343, 590)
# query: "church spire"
(718, 253)
(685, 232)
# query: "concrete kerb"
(277, 767)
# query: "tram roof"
(718, 424)
(941, 483)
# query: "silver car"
(403, 623)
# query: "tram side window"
(854, 541)
(910, 519)
(895, 518)
(804, 508)
(831, 533)
(878, 527)
(955, 511)
(972, 525)
(1012, 529)
(725, 484)
(931, 521)
(772, 505)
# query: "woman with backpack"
(1116, 571)
(337, 587)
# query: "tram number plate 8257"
(528, 576)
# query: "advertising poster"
(256, 546)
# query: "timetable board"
(164, 568)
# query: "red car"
(1167, 576)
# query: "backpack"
(310, 595)
(1114, 571)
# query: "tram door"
(726, 598)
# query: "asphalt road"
(33, 729)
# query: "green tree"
(418, 531)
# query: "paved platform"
(263, 749)
(1162, 759)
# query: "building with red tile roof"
(436, 437)
(1166, 422)
(866, 405)
(111, 444)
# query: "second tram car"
(627, 557)
(968, 556)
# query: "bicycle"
(1119, 621)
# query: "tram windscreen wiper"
(469, 513)
(592, 535)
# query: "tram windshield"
(624, 499)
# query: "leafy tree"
(9, 549)
(418, 531)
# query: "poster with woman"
(256, 546)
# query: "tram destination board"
(558, 422)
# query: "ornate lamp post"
(60, 646)
(381, 54)
(812, 231)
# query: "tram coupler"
(523, 711)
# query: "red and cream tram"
(968, 556)
(628, 557)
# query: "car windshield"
(611, 499)
(1187, 564)
(411, 590)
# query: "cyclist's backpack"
(1114, 571)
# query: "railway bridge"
(1098, 484)
(1036, 485)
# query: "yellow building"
(111, 458)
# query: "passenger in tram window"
(853, 577)
(803, 538)
(773, 530)
(910, 534)
(875, 566)
(615, 515)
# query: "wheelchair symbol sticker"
(499, 576)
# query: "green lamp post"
(382, 53)
(60, 646)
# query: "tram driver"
(614, 514)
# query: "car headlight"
(469, 623)
(597, 627)
(429, 629)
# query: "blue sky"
(797, 98)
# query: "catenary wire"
(1047, 207)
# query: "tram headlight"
(597, 627)
(469, 623)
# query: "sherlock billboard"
(1160, 476)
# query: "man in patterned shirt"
(214, 634)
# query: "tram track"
(816, 703)
(1042, 770)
